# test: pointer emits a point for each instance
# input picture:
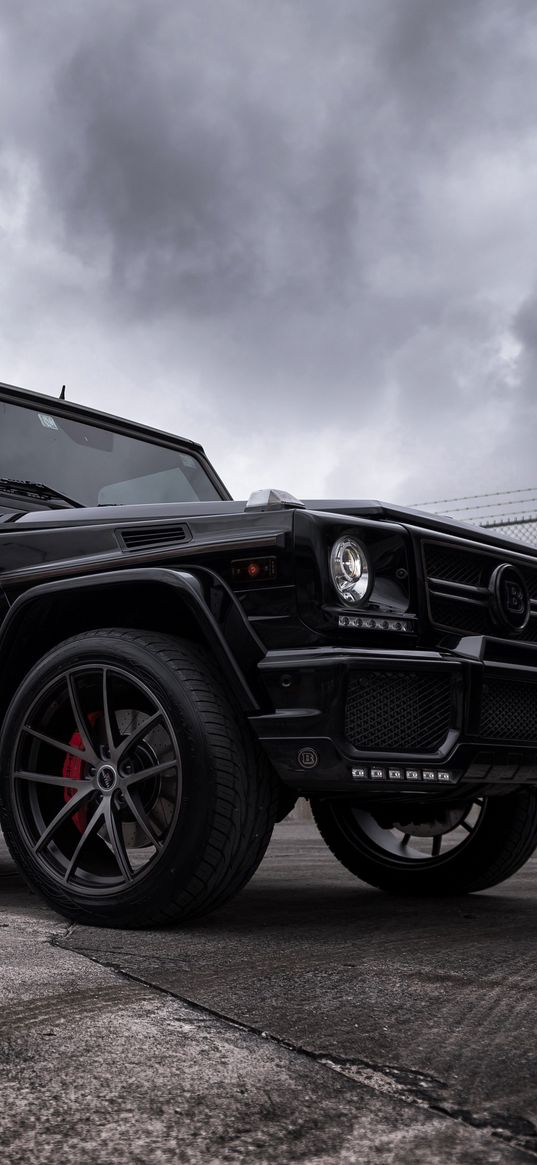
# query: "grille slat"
(398, 711)
(509, 711)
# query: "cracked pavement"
(311, 1020)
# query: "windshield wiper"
(35, 489)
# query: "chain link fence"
(523, 529)
(510, 514)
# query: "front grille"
(509, 711)
(388, 711)
(458, 578)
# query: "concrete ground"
(312, 1020)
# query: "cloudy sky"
(302, 232)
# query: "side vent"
(153, 537)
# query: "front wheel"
(132, 793)
(432, 849)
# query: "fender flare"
(190, 589)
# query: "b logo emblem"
(308, 758)
(514, 597)
(509, 599)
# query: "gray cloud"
(315, 220)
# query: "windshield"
(95, 466)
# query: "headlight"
(349, 569)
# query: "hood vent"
(153, 537)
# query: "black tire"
(169, 845)
(502, 837)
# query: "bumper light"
(384, 773)
(374, 623)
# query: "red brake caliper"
(73, 768)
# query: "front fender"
(236, 648)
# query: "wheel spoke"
(136, 734)
(144, 774)
(63, 815)
(406, 838)
(437, 845)
(70, 749)
(79, 718)
(107, 714)
(115, 837)
(90, 828)
(141, 817)
(467, 827)
(46, 779)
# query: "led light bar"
(374, 623)
(410, 775)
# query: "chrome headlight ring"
(349, 570)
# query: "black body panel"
(425, 689)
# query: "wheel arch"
(157, 599)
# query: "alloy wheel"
(96, 778)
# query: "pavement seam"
(418, 1088)
(409, 1087)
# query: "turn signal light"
(253, 569)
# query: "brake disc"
(449, 820)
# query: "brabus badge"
(308, 758)
(509, 599)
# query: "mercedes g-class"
(177, 667)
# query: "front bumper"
(396, 723)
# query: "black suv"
(176, 668)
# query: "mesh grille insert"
(530, 578)
(398, 711)
(509, 711)
(454, 565)
(461, 616)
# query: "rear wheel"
(432, 850)
(132, 793)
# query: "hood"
(436, 523)
(146, 511)
(354, 508)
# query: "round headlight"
(349, 569)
